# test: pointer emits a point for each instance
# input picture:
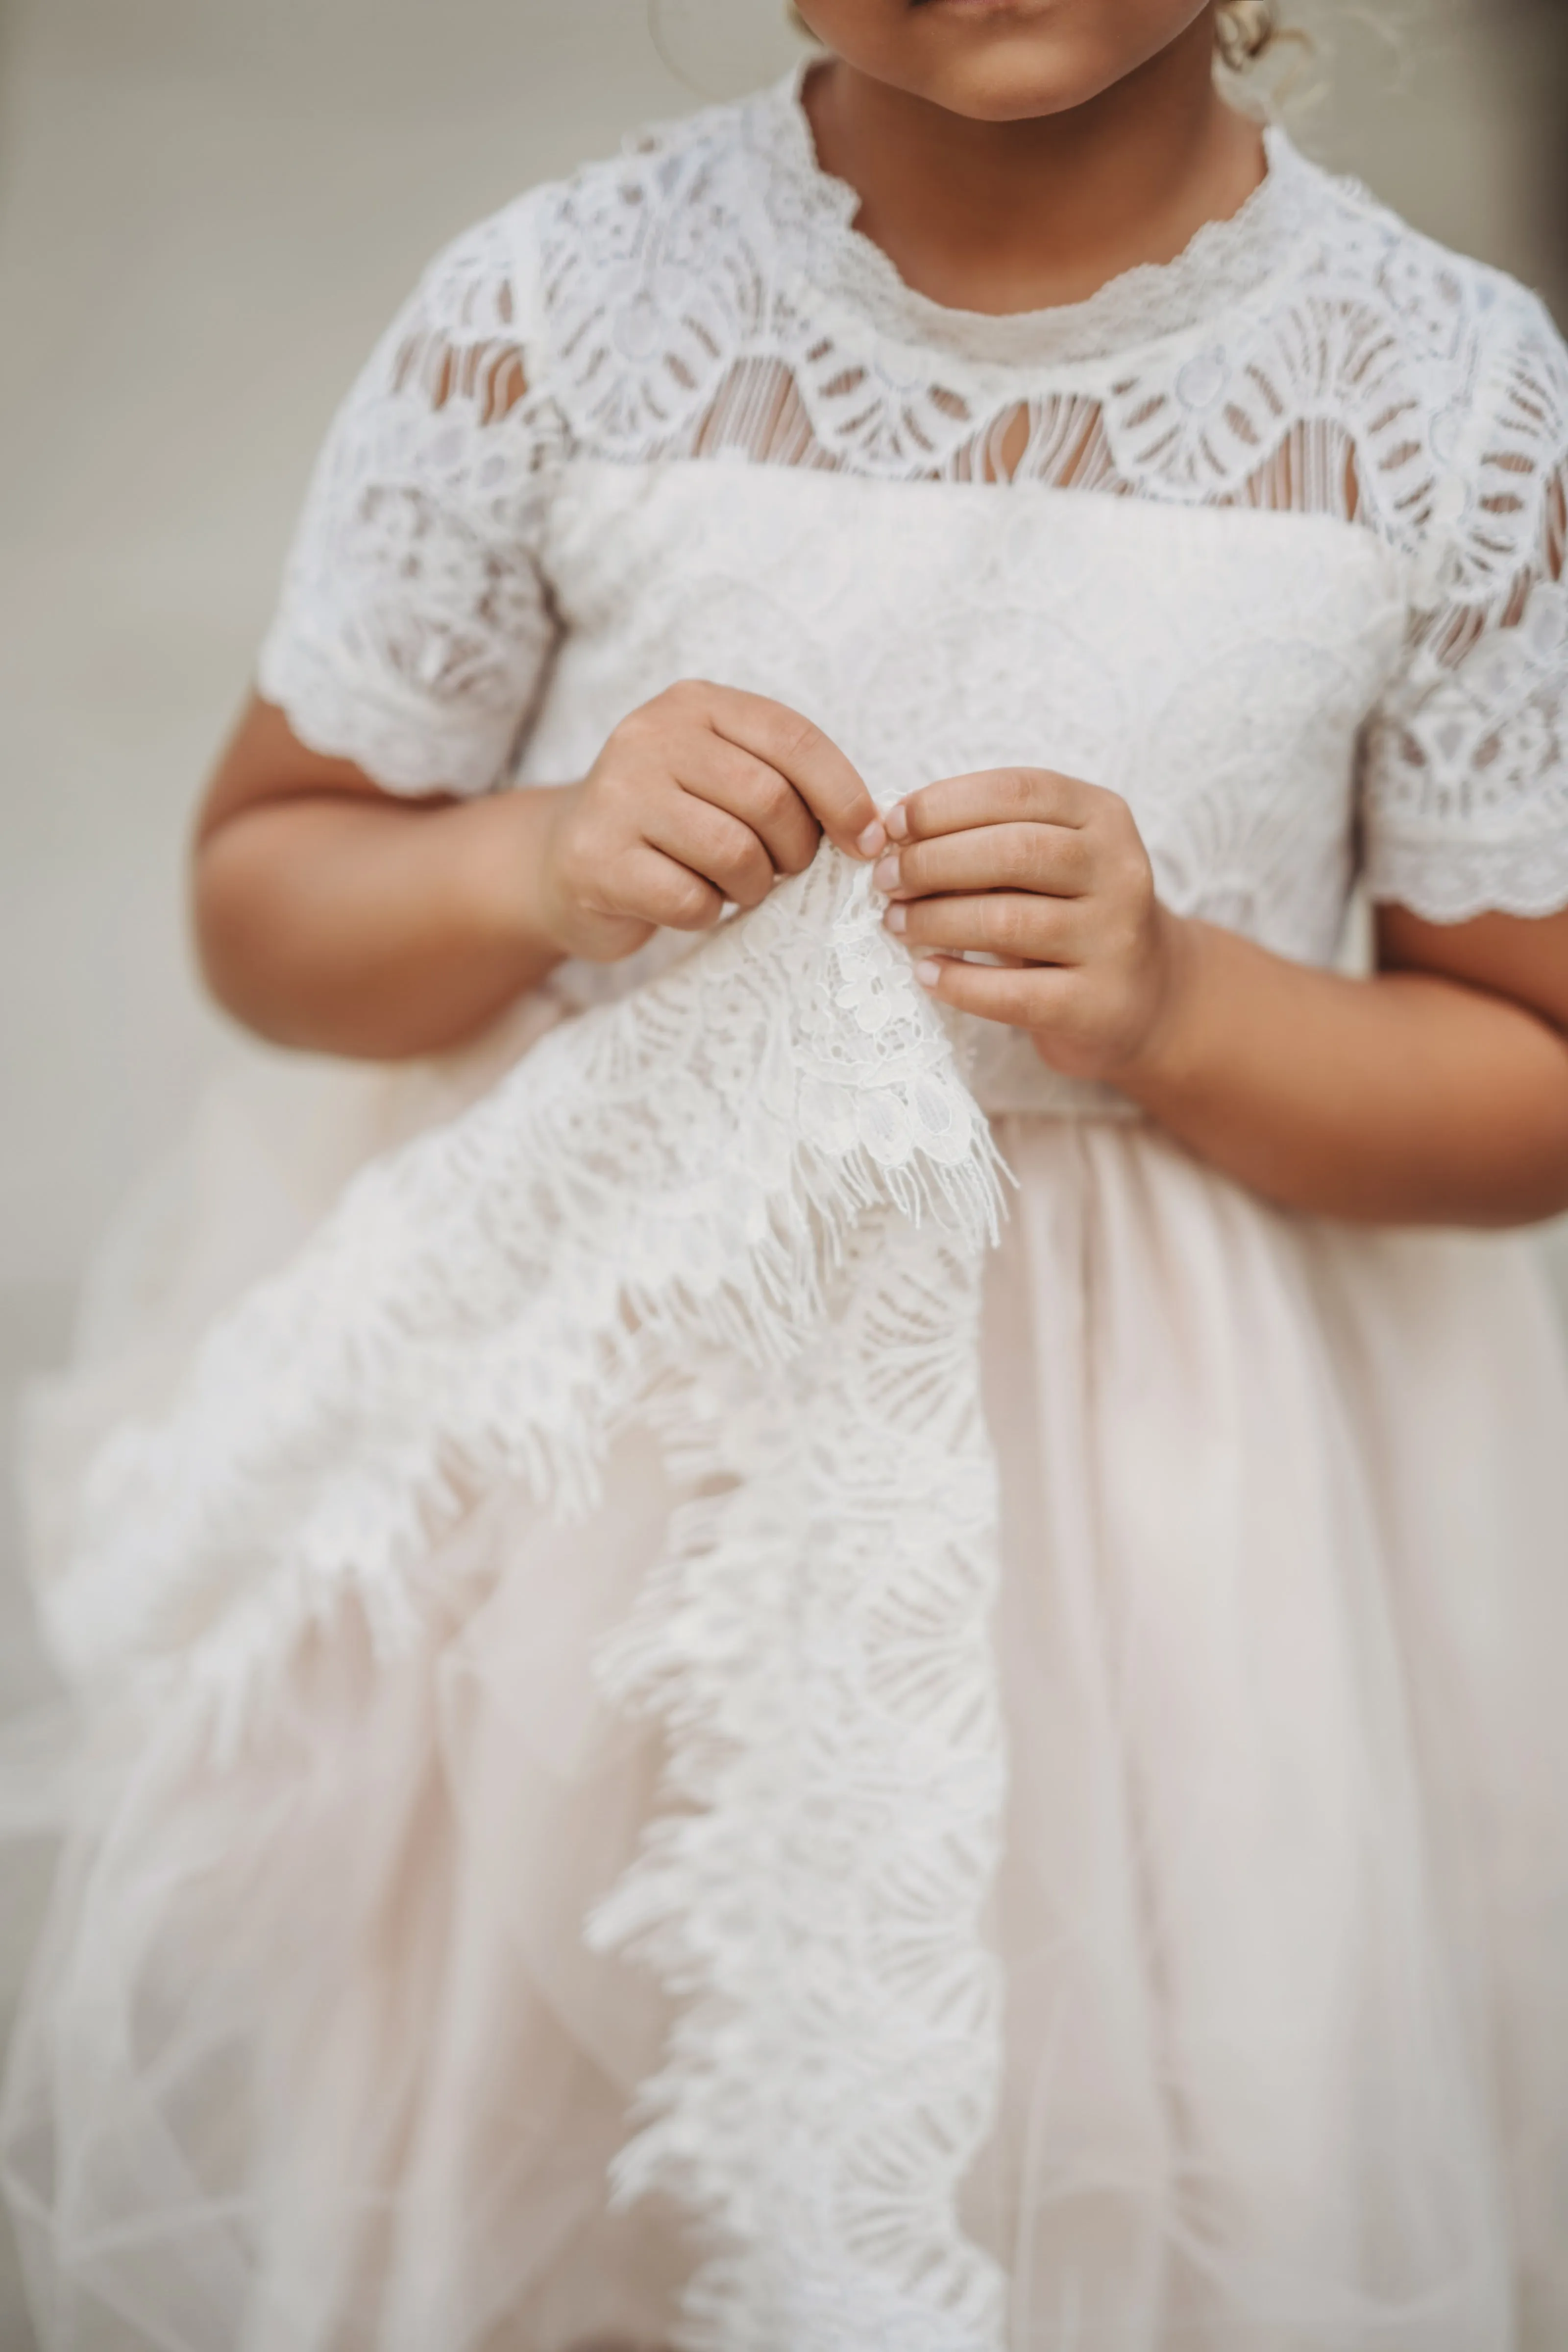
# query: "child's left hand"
(1052, 877)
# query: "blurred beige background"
(207, 210)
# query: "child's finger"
(652, 888)
(833, 789)
(1017, 996)
(714, 845)
(711, 768)
(1054, 859)
(990, 796)
(1013, 923)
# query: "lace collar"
(1224, 261)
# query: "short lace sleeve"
(1465, 803)
(415, 625)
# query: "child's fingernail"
(928, 973)
(886, 875)
(874, 838)
(897, 822)
(897, 918)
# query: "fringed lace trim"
(748, 1206)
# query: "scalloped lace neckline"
(1224, 260)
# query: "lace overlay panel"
(745, 1210)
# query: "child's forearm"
(1409, 1098)
(361, 925)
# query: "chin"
(997, 86)
(1002, 61)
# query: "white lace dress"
(681, 1748)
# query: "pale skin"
(1009, 154)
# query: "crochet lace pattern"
(708, 297)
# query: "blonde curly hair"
(1247, 30)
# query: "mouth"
(984, 7)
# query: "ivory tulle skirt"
(316, 2058)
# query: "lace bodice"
(1381, 427)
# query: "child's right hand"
(704, 796)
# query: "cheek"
(1008, 63)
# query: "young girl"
(682, 1750)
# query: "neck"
(1023, 215)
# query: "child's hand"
(1052, 877)
(703, 795)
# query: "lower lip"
(987, 7)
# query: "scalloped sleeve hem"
(1450, 882)
(347, 712)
